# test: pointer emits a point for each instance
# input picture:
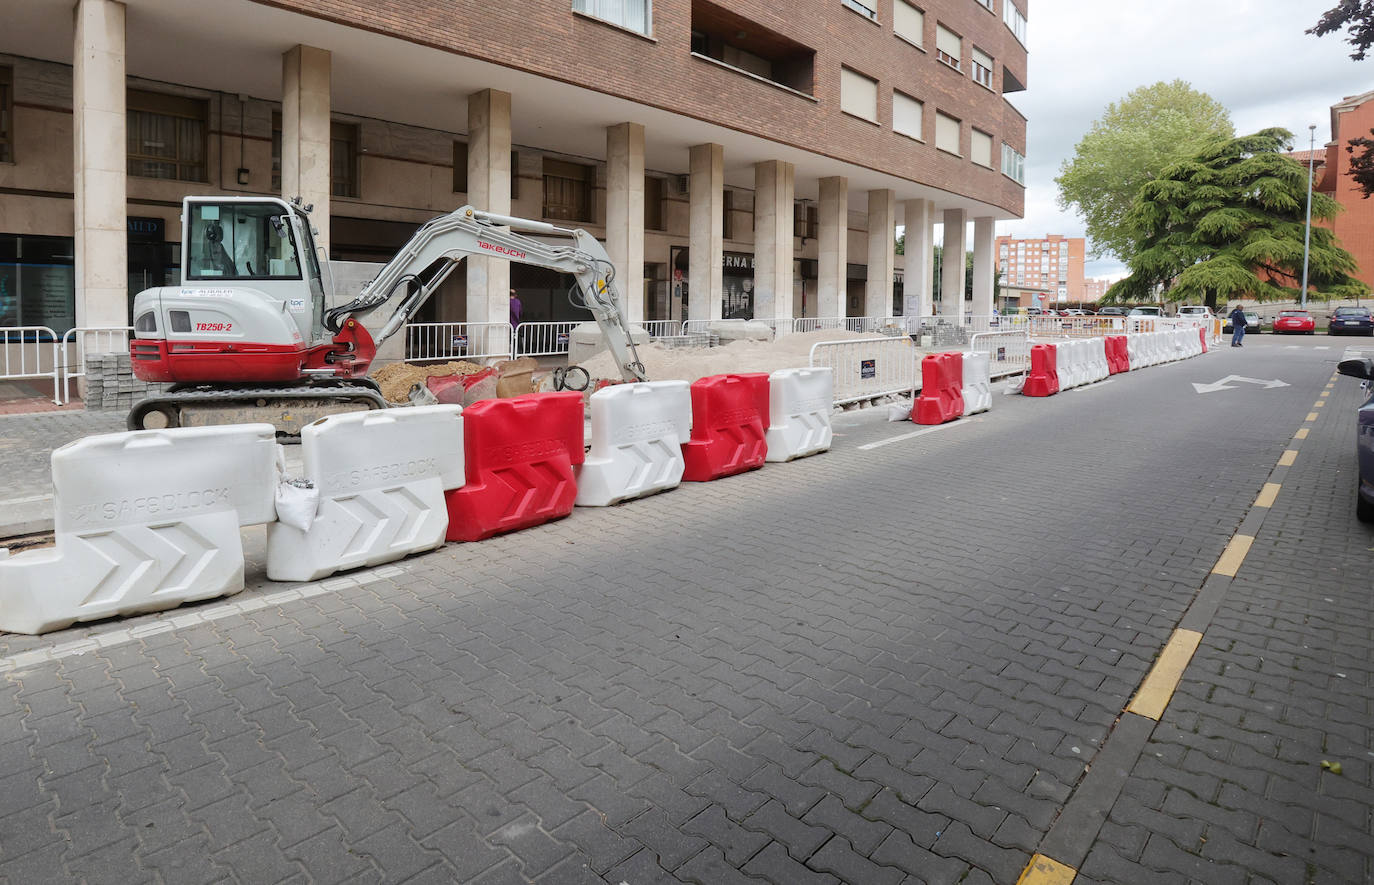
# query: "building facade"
(1053, 265)
(1352, 117)
(1094, 289)
(759, 155)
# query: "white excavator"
(249, 335)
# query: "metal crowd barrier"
(662, 328)
(88, 340)
(460, 341)
(22, 355)
(543, 339)
(1008, 352)
(865, 368)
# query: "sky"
(1250, 55)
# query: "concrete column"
(488, 297)
(984, 264)
(774, 190)
(305, 73)
(706, 232)
(99, 164)
(952, 270)
(918, 262)
(833, 247)
(882, 258)
(625, 214)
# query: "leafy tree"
(1361, 152)
(1133, 140)
(1355, 16)
(1228, 223)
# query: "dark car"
(1111, 311)
(1363, 367)
(1351, 321)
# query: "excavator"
(250, 336)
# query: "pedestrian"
(1237, 326)
(516, 308)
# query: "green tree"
(1228, 223)
(1133, 140)
(1361, 152)
(1354, 16)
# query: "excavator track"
(288, 408)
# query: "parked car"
(1073, 312)
(1363, 368)
(1295, 322)
(1111, 311)
(1352, 321)
(1195, 312)
(1252, 323)
(1146, 312)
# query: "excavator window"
(240, 241)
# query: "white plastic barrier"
(977, 389)
(1073, 363)
(1097, 360)
(637, 436)
(381, 478)
(799, 404)
(1135, 351)
(144, 521)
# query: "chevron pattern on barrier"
(729, 426)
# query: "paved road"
(899, 663)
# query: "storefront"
(736, 286)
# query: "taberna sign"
(146, 230)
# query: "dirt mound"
(396, 379)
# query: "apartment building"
(1052, 264)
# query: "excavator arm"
(441, 243)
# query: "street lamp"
(1307, 233)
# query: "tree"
(1362, 163)
(1128, 146)
(1228, 223)
(1355, 16)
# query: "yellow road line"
(1158, 687)
(1318, 404)
(1233, 556)
(1301, 434)
(1288, 458)
(1329, 386)
(1267, 495)
(1325, 393)
(1311, 416)
(1043, 870)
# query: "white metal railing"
(466, 341)
(85, 340)
(1008, 351)
(543, 339)
(662, 328)
(865, 368)
(22, 355)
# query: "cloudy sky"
(1250, 55)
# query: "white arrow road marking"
(963, 422)
(1223, 385)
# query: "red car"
(1298, 322)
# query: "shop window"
(858, 95)
(909, 23)
(568, 190)
(653, 203)
(37, 282)
(6, 115)
(633, 15)
(343, 160)
(166, 136)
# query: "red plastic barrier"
(729, 423)
(942, 389)
(1043, 379)
(519, 454)
(1118, 355)
(1202, 334)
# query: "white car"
(1145, 312)
(1195, 312)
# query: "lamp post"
(1307, 232)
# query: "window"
(166, 136)
(37, 282)
(909, 23)
(6, 115)
(568, 190)
(908, 116)
(1014, 20)
(1013, 164)
(241, 241)
(986, 4)
(949, 46)
(980, 149)
(858, 95)
(726, 38)
(727, 215)
(862, 7)
(633, 15)
(343, 160)
(653, 203)
(982, 67)
(947, 133)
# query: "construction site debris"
(396, 379)
(690, 363)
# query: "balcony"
(733, 41)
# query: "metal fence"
(1008, 351)
(462, 341)
(543, 339)
(865, 368)
(30, 352)
(84, 340)
(662, 328)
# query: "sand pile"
(690, 363)
(396, 379)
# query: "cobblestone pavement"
(890, 664)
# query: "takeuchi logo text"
(502, 250)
